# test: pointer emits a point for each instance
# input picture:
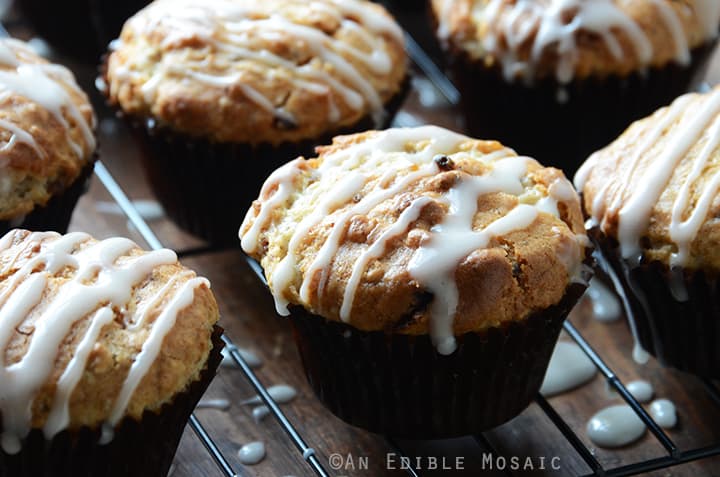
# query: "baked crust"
(462, 28)
(685, 134)
(257, 72)
(182, 356)
(517, 273)
(54, 150)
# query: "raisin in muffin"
(653, 203)
(223, 93)
(105, 351)
(47, 142)
(560, 79)
(427, 275)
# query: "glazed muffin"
(79, 28)
(427, 275)
(106, 349)
(561, 79)
(653, 203)
(47, 142)
(222, 94)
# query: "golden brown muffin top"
(46, 129)
(417, 231)
(91, 332)
(569, 39)
(249, 71)
(655, 189)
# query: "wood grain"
(249, 318)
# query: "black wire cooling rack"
(674, 455)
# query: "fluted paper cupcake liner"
(676, 312)
(56, 214)
(139, 448)
(207, 187)
(399, 385)
(561, 125)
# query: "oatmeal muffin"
(105, 351)
(221, 94)
(47, 142)
(427, 275)
(559, 79)
(653, 201)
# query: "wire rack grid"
(674, 455)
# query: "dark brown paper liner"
(399, 385)
(79, 28)
(144, 448)
(56, 214)
(531, 120)
(683, 334)
(206, 187)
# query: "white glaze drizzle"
(46, 85)
(553, 27)
(252, 453)
(663, 412)
(260, 412)
(569, 368)
(689, 120)
(151, 349)
(281, 394)
(229, 27)
(252, 359)
(377, 249)
(19, 135)
(59, 416)
(275, 191)
(605, 305)
(283, 273)
(219, 404)
(615, 426)
(641, 390)
(104, 277)
(434, 263)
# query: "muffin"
(427, 275)
(222, 94)
(106, 349)
(79, 28)
(561, 79)
(653, 204)
(47, 142)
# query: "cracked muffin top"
(46, 130)
(250, 71)
(94, 331)
(566, 39)
(655, 190)
(417, 231)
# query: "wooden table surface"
(249, 318)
